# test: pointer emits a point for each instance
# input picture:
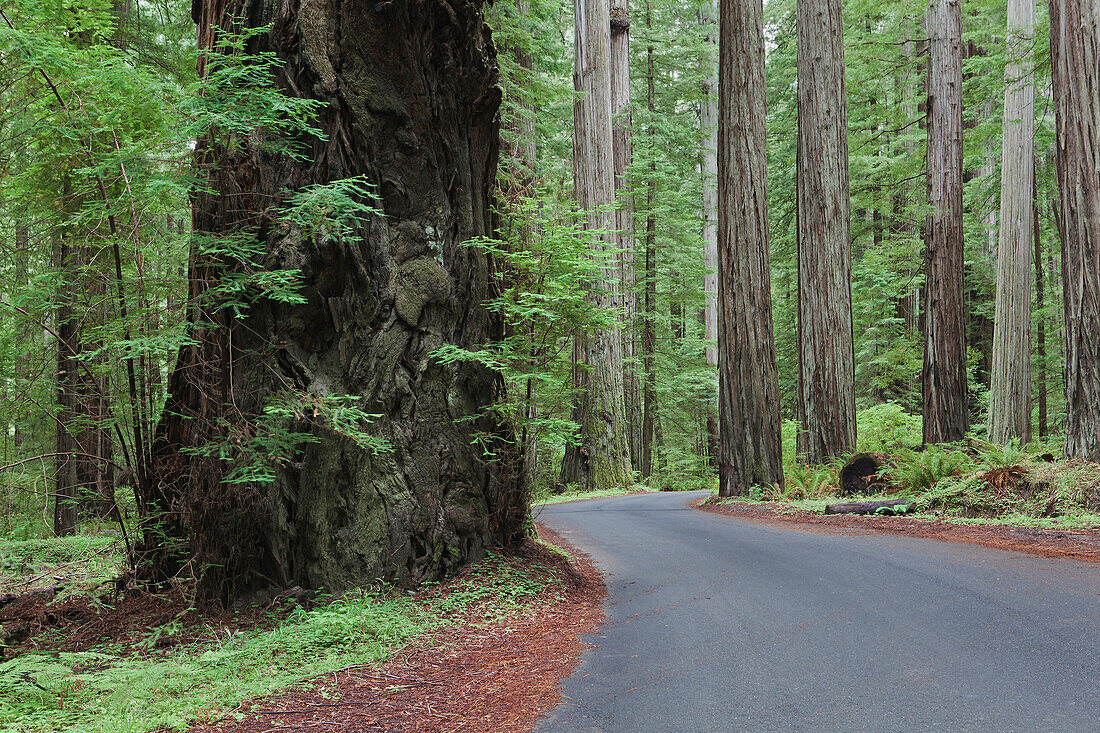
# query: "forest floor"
(501, 676)
(482, 652)
(1078, 543)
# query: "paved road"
(719, 624)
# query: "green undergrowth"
(78, 563)
(108, 689)
(550, 498)
(973, 481)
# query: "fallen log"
(894, 506)
(861, 475)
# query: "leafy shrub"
(887, 428)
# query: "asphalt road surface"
(721, 624)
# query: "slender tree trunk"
(944, 375)
(1041, 326)
(66, 483)
(335, 514)
(1010, 396)
(649, 334)
(826, 377)
(1075, 53)
(624, 220)
(708, 123)
(23, 364)
(524, 158)
(748, 398)
(602, 460)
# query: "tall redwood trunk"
(411, 103)
(623, 152)
(944, 374)
(649, 319)
(1010, 379)
(826, 359)
(602, 460)
(748, 396)
(708, 124)
(1075, 53)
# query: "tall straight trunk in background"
(708, 124)
(1041, 326)
(1075, 55)
(602, 460)
(624, 220)
(649, 334)
(525, 155)
(944, 373)
(750, 453)
(1010, 381)
(826, 359)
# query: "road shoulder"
(1078, 544)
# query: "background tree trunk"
(411, 102)
(649, 324)
(624, 220)
(1075, 52)
(1010, 381)
(748, 396)
(944, 374)
(708, 124)
(826, 360)
(602, 460)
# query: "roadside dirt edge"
(501, 678)
(1075, 544)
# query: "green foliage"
(170, 690)
(256, 449)
(494, 587)
(887, 428)
(918, 471)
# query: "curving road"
(719, 624)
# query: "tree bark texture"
(748, 393)
(826, 375)
(1041, 325)
(1010, 380)
(411, 102)
(602, 460)
(623, 152)
(944, 373)
(708, 124)
(1075, 53)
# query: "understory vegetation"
(180, 668)
(974, 480)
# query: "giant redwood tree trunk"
(944, 376)
(1010, 378)
(826, 360)
(1075, 52)
(411, 102)
(748, 380)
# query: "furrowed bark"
(826, 359)
(748, 395)
(944, 373)
(1075, 53)
(1010, 394)
(410, 102)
